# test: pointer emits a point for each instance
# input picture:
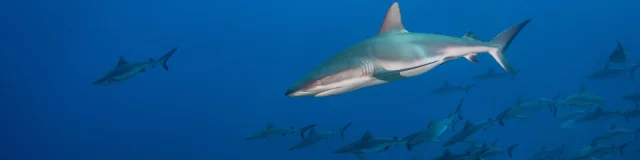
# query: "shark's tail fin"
(510, 150)
(343, 129)
(469, 88)
(305, 129)
(502, 41)
(163, 60)
(632, 72)
(502, 115)
(623, 146)
(409, 140)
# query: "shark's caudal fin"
(510, 150)
(623, 146)
(343, 129)
(163, 60)
(305, 129)
(502, 41)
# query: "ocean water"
(236, 59)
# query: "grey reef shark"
(448, 88)
(607, 72)
(272, 131)
(395, 54)
(491, 74)
(314, 137)
(369, 144)
(125, 69)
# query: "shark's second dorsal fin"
(270, 125)
(469, 35)
(367, 136)
(446, 83)
(613, 126)
(582, 88)
(393, 20)
(467, 125)
(121, 61)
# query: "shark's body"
(448, 88)
(395, 54)
(469, 130)
(635, 97)
(491, 74)
(125, 70)
(549, 154)
(581, 100)
(607, 72)
(435, 129)
(618, 55)
(523, 110)
(597, 151)
(272, 131)
(314, 137)
(369, 144)
(615, 132)
(596, 114)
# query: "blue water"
(236, 59)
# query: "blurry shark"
(491, 74)
(607, 72)
(448, 88)
(125, 70)
(614, 132)
(435, 129)
(368, 144)
(581, 100)
(469, 130)
(272, 131)
(314, 137)
(396, 54)
(597, 151)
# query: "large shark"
(597, 151)
(435, 129)
(549, 154)
(607, 72)
(125, 70)
(614, 132)
(396, 54)
(448, 88)
(314, 137)
(272, 131)
(618, 55)
(581, 100)
(491, 74)
(369, 144)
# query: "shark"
(314, 137)
(491, 74)
(272, 131)
(448, 88)
(633, 113)
(549, 154)
(614, 132)
(635, 97)
(125, 69)
(469, 130)
(588, 116)
(368, 144)
(435, 129)
(448, 155)
(607, 72)
(597, 151)
(495, 151)
(618, 55)
(394, 54)
(523, 109)
(580, 100)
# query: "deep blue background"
(236, 58)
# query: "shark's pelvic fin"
(393, 20)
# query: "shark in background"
(435, 129)
(598, 151)
(396, 54)
(491, 74)
(369, 144)
(615, 132)
(448, 88)
(607, 72)
(272, 131)
(314, 137)
(618, 55)
(125, 69)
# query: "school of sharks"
(395, 53)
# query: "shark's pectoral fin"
(472, 57)
(392, 75)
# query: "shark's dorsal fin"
(393, 20)
(446, 83)
(467, 124)
(367, 136)
(270, 125)
(490, 71)
(447, 152)
(469, 35)
(431, 124)
(613, 126)
(121, 61)
(312, 132)
(582, 88)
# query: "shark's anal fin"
(393, 20)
